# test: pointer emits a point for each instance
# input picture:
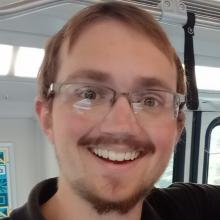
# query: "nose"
(120, 119)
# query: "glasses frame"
(179, 99)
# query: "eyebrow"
(150, 82)
(105, 77)
(94, 75)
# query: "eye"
(90, 94)
(86, 93)
(150, 101)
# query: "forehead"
(122, 53)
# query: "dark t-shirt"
(178, 202)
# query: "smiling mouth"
(116, 157)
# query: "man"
(111, 92)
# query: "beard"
(105, 206)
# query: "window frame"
(212, 125)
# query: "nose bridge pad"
(132, 111)
(123, 94)
(120, 118)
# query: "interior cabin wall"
(33, 156)
(49, 167)
(206, 44)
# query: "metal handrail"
(27, 7)
(206, 13)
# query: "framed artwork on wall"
(7, 183)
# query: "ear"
(45, 118)
(180, 124)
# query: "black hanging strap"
(192, 102)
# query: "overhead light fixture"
(28, 61)
(207, 77)
(6, 52)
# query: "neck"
(66, 205)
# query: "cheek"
(76, 126)
(164, 137)
(73, 126)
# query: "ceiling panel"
(5, 3)
(34, 28)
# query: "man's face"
(124, 59)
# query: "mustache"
(129, 140)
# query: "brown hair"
(130, 15)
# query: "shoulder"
(19, 213)
(187, 199)
(39, 195)
(183, 188)
(184, 191)
(194, 190)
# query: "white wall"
(33, 156)
(48, 168)
(206, 44)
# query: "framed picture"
(7, 181)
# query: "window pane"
(167, 177)
(5, 58)
(28, 61)
(207, 77)
(214, 157)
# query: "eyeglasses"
(97, 100)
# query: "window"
(214, 157)
(175, 169)
(6, 52)
(206, 78)
(28, 61)
(167, 177)
(211, 170)
(20, 61)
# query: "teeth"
(112, 155)
(132, 155)
(115, 156)
(127, 155)
(105, 154)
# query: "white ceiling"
(9, 2)
(30, 29)
(33, 29)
